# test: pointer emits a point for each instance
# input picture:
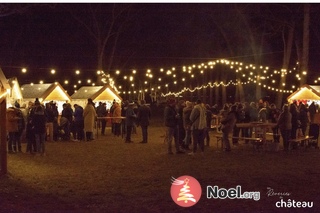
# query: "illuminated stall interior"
(14, 93)
(45, 93)
(306, 94)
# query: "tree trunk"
(287, 50)
(305, 44)
(254, 49)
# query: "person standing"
(285, 125)
(50, 119)
(208, 122)
(130, 119)
(304, 118)
(228, 124)
(181, 131)
(263, 113)
(143, 118)
(187, 124)
(12, 129)
(31, 141)
(246, 131)
(78, 122)
(171, 122)
(313, 109)
(21, 125)
(116, 120)
(111, 110)
(274, 117)
(254, 113)
(54, 108)
(240, 117)
(199, 125)
(38, 120)
(102, 112)
(89, 115)
(67, 113)
(124, 107)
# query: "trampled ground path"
(108, 175)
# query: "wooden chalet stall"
(4, 88)
(307, 94)
(45, 93)
(97, 93)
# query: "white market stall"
(14, 94)
(98, 94)
(307, 94)
(45, 93)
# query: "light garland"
(211, 85)
(173, 76)
(248, 73)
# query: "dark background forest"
(119, 38)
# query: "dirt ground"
(108, 175)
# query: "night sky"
(153, 36)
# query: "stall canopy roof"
(15, 88)
(97, 93)
(45, 92)
(306, 92)
(3, 80)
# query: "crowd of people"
(43, 123)
(188, 123)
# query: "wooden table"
(260, 130)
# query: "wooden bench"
(272, 134)
(299, 141)
(256, 142)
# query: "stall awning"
(306, 92)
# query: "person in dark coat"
(228, 124)
(38, 120)
(208, 121)
(21, 125)
(181, 132)
(313, 109)
(171, 122)
(31, 141)
(78, 122)
(67, 112)
(274, 117)
(304, 118)
(102, 112)
(285, 125)
(143, 117)
(294, 110)
(130, 120)
(187, 124)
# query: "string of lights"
(172, 81)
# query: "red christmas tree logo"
(185, 191)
